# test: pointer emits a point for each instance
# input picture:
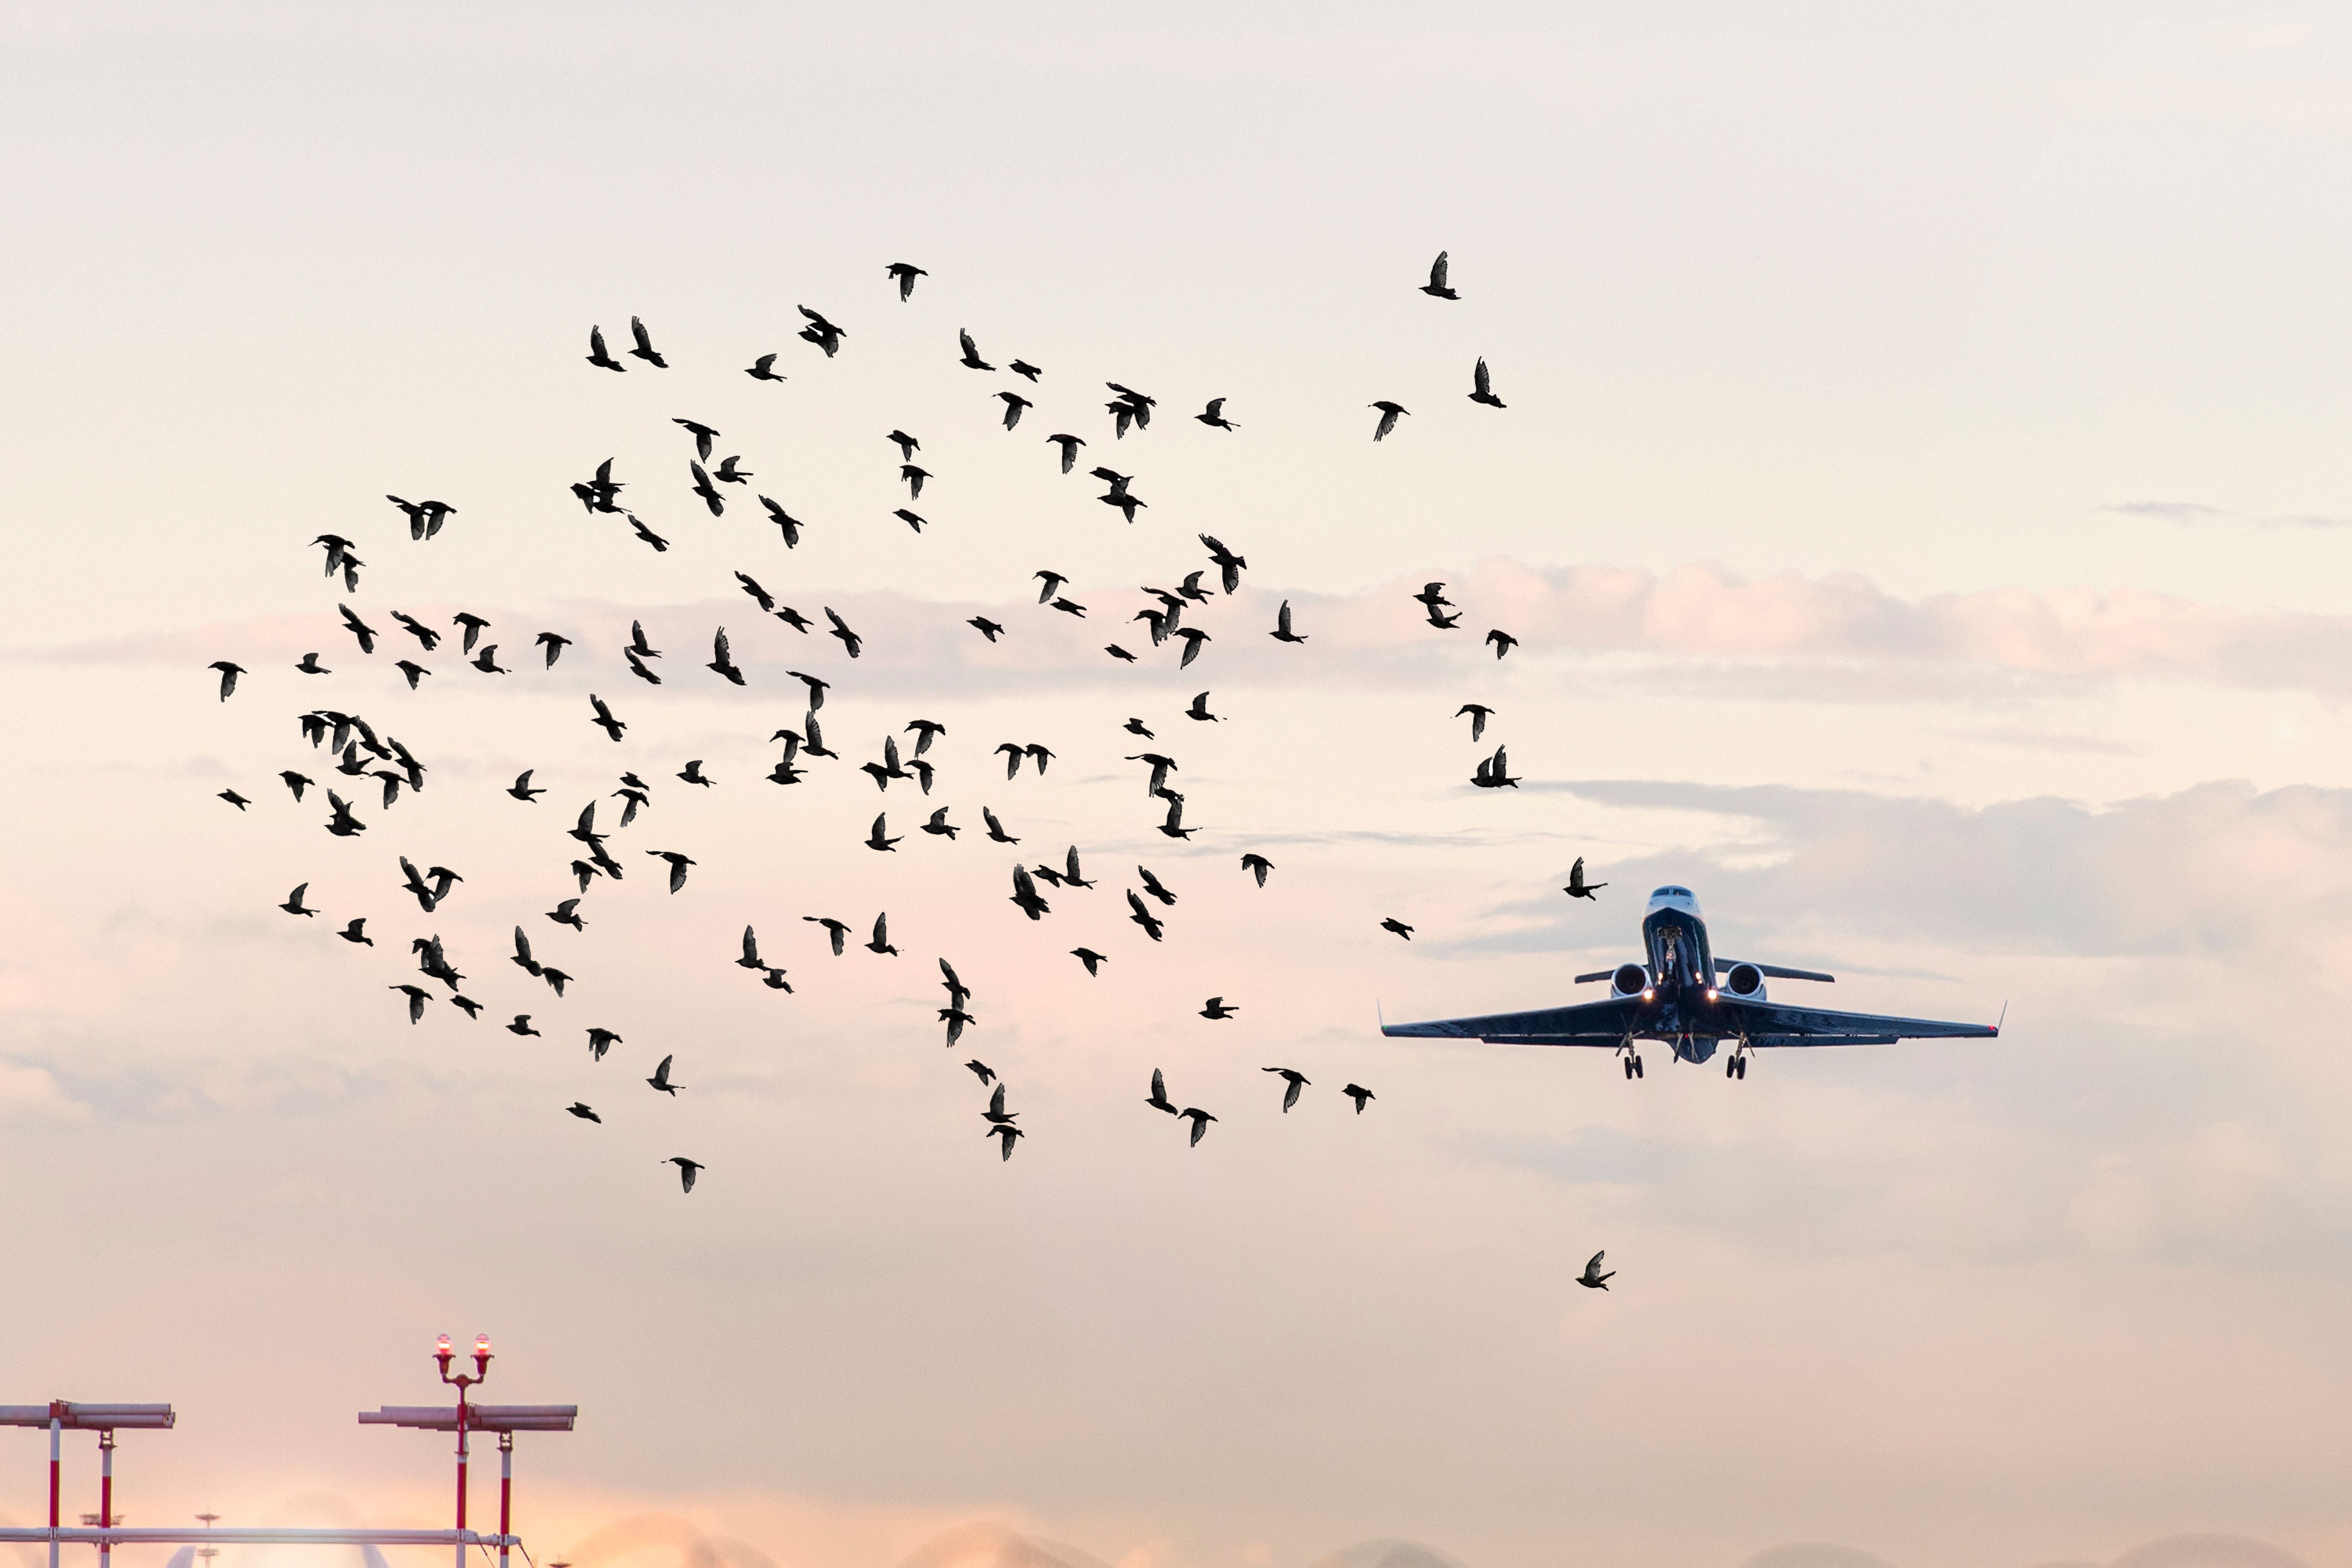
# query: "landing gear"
(1631, 1056)
(1736, 1064)
(1632, 1066)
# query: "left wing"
(1778, 1024)
(1585, 1024)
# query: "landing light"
(1648, 994)
(1711, 993)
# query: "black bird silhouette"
(604, 720)
(914, 476)
(952, 984)
(473, 624)
(600, 1041)
(910, 519)
(955, 1018)
(1293, 1082)
(567, 913)
(644, 349)
(344, 824)
(1070, 608)
(775, 981)
(759, 595)
(692, 773)
(687, 1169)
(487, 661)
(1174, 827)
(730, 471)
(1578, 887)
(1436, 285)
(817, 688)
(1193, 637)
(1159, 1099)
(996, 1113)
(555, 644)
(1199, 1119)
(468, 1006)
(364, 631)
(356, 932)
(1433, 598)
(522, 1024)
(309, 665)
(835, 930)
(849, 639)
(1026, 897)
(584, 1112)
(294, 781)
(1229, 565)
(1359, 1094)
(1215, 416)
(637, 666)
(419, 630)
(1217, 1009)
(764, 369)
(583, 871)
(906, 273)
(678, 864)
(971, 360)
(996, 829)
(1493, 772)
(1070, 870)
(707, 491)
(1050, 583)
(1069, 445)
(1388, 412)
(293, 904)
(751, 959)
(791, 526)
(521, 958)
(1592, 1279)
(556, 979)
(647, 534)
(1007, 1134)
(986, 1074)
(660, 1079)
(1199, 709)
(413, 671)
(880, 942)
(985, 627)
(596, 354)
(229, 672)
(703, 435)
(721, 663)
(1013, 404)
(1136, 727)
(1012, 753)
(1039, 755)
(877, 839)
(1088, 957)
(416, 998)
(1479, 713)
(1257, 866)
(1397, 926)
(1154, 887)
(1503, 641)
(925, 731)
(1282, 632)
(1143, 917)
(1022, 368)
(1118, 653)
(908, 445)
(1482, 387)
(938, 823)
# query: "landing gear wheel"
(1731, 1068)
(1743, 1070)
(1629, 1069)
(1637, 1067)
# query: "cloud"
(2186, 512)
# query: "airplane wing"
(1779, 1024)
(1585, 1024)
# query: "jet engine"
(1745, 980)
(1631, 980)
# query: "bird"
(1217, 1011)
(1479, 713)
(1228, 564)
(1136, 727)
(235, 799)
(647, 534)
(877, 839)
(1118, 653)
(1070, 870)
(687, 1169)
(1153, 888)
(604, 720)
(521, 958)
(1088, 957)
(985, 627)
(660, 1079)
(721, 665)
(293, 904)
(522, 1024)
(678, 864)
(555, 644)
(971, 359)
(1445, 622)
(487, 661)
(1397, 926)
(914, 477)
(834, 929)
(1493, 772)
(1293, 1082)
(707, 491)
(703, 435)
(344, 824)
(1069, 445)
(600, 1041)
(880, 942)
(1013, 404)
(774, 979)
(1433, 598)
(1038, 755)
(1436, 285)
(730, 471)
(986, 1074)
(584, 1112)
(764, 369)
(1578, 887)
(1070, 608)
(1215, 416)
(295, 782)
(567, 913)
(596, 354)
(424, 634)
(1159, 1099)
(955, 1018)
(1503, 641)
(1013, 752)
(1008, 1134)
(952, 984)
(1174, 827)
(1026, 897)
(1142, 916)
(357, 933)
(1282, 632)
(417, 999)
(468, 1006)
(644, 349)
(1193, 637)
(309, 665)
(910, 519)
(692, 773)
(939, 824)
(1200, 1121)
(1052, 585)
(364, 633)
(473, 624)
(791, 526)
(412, 671)
(1359, 1094)
(1388, 412)
(849, 639)
(996, 1111)
(996, 829)
(1592, 1279)
(1482, 387)
(925, 731)
(906, 273)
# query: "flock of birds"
(360, 751)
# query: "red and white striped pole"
(56, 1458)
(106, 1494)
(506, 1493)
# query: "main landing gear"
(1736, 1064)
(1632, 1058)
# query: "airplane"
(1691, 1000)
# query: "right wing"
(1583, 1024)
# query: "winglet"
(1997, 1023)
(1377, 1014)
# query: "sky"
(1920, 503)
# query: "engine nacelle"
(1631, 980)
(1745, 980)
